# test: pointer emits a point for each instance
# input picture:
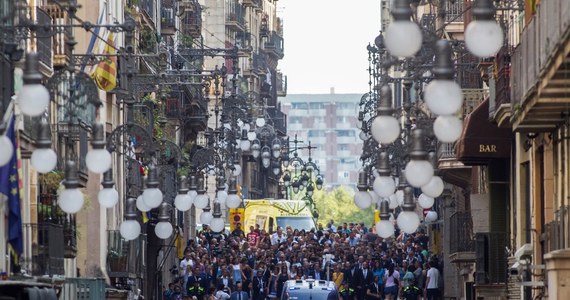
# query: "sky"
(325, 44)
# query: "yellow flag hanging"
(105, 74)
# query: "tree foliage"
(338, 205)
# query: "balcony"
(61, 52)
(500, 97)
(461, 241)
(235, 17)
(168, 17)
(472, 99)
(191, 18)
(491, 258)
(452, 170)
(281, 84)
(123, 257)
(44, 44)
(274, 45)
(147, 7)
(252, 3)
(541, 68)
(279, 120)
(555, 233)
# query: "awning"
(481, 140)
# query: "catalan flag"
(10, 190)
(105, 74)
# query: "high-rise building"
(329, 123)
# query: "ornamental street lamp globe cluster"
(400, 137)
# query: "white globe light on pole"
(206, 217)
(33, 98)
(98, 159)
(385, 228)
(434, 188)
(71, 199)
(43, 158)
(130, 229)
(447, 129)
(443, 97)
(183, 201)
(483, 36)
(163, 228)
(141, 205)
(408, 221)
(7, 150)
(152, 196)
(403, 37)
(108, 196)
(425, 201)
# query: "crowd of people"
(255, 265)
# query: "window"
(319, 119)
(345, 133)
(295, 120)
(342, 147)
(341, 119)
(345, 105)
(299, 106)
(316, 105)
(316, 133)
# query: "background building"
(329, 123)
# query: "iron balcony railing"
(279, 120)
(540, 41)
(500, 86)
(191, 18)
(44, 44)
(148, 7)
(235, 13)
(275, 43)
(454, 11)
(558, 230)
(491, 257)
(461, 239)
(445, 151)
(83, 288)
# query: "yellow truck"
(270, 213)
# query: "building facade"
(329, 123)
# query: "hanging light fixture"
(221, 194)
(245, 143)
(403, 37)
(287, 180)
(98, 159)
(483, 36)
(255, 148)
(408, 220)
(217, 224)
(71, 199)
(163, 228)
(434, 188)
(384, 184)
(275, 167)
(141, 205)
(183, 201)
(202, 198)
(192, 187)
(130, 229)
(206, 215)
(362, 198)
(6, 146)
(265, 157)
(319, 182)
(419, 171)
(233, 200)
(385, 128)
(34, 96)
(44, 158)
(276, 148)
(152, 196)
(384, 227)
(108, 196)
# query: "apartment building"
(329, 123)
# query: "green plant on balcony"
(186, 40)
(116, 262)
(148, 40)
(50, 182)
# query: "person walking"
(432, 281)
(391, 283)
(239, 294)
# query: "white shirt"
(276, 239)
(221, 295)
(184, 265)
(433, 275)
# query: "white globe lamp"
(33, 98)
(434, 188)
(447, 129)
